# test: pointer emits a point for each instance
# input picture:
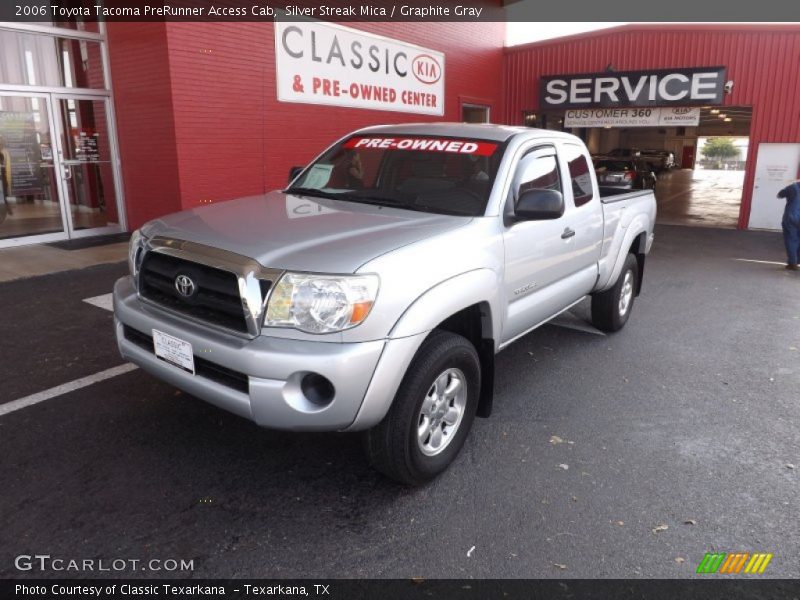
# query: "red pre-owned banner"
(475, 148)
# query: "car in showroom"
(659, 160)
(624, 173)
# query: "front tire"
(611, 308)
(432, 411)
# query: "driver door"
(540, 279)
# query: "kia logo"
(426, 69)
(185, 286)
(681, 111)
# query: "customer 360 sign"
(320, 63)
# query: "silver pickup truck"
(374, 293)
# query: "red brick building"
(199, 119)
(106, 127)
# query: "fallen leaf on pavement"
(789, 466)
(563, 466)
(554, 439)
(470, 551)
(660, 528)
(690, 522)
(680, 560)
(562, 567)
(620, 523)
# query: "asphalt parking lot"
(628, 455)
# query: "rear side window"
(579, 174)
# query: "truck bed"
(612, 194)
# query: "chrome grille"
(228, 290)
(215, 300)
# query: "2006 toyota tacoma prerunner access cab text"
(374, 293)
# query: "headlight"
(321, 303)
(134, 254)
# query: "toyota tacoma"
(375, 292)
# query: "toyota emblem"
(185, 286)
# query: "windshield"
(439, 175)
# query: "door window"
(537, 171)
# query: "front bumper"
(274, 368)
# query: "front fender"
(449, 297)
(425, 313)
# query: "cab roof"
(480, 131)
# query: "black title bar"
(71, 11)
(702, 588)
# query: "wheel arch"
(475, 323)
(638, 248)
(634, 242)
(464, 304)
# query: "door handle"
(568, 233)
(66, 170)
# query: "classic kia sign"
(320, 63)
(683, 87)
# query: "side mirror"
(294, 172)
(539, 205)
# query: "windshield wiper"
(348, 196)
(305, 191)
(368, 199)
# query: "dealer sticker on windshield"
(474, 148)
(173, 350)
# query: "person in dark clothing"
(791, 223)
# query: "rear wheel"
(611, 308)
(432, 412)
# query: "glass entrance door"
(29, 195)
(56, 168)
(87, 168)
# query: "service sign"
(665, 87)
(320, 63)
(632, 117)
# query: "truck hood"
(300, 233)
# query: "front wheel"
(432, 412)
(611, 308)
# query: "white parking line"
(761, 262)
(105, 301)
(65, 388)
